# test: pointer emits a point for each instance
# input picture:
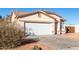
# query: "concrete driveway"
(64, 41)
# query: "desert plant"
(10, 36)
(36, 48)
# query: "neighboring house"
(72, 28)
(40, 22)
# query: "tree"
(0, 17)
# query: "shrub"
(10, 36)
(36, 48)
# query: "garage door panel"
(39, 29)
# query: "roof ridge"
(22, 13)
(46, 11)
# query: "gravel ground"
(31, 45)
(64, 41)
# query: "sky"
(71, 15)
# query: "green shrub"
(10, 37)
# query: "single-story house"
(39, 22)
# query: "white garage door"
(39, 29)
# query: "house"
(39, 22)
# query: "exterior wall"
(58, 18)
(58, 28)
(52, 28)
(63, 29)
(58, 25)
(35, 18)
(77, 29)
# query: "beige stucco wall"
(76, 28)
(35, 18)
(58, 26)
(58, 18)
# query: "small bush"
(36, 48)
(10, 37)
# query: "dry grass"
(10, 36)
